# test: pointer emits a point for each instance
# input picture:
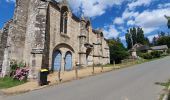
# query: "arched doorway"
(57, 56)
(68, 61)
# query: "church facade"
(46, 34)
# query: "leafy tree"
(165, 40)
(161, 34)
(135, 35)
(154, 41)
(162, 39)
(117, 50)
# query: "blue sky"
(113, 16)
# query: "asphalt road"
(133, 83)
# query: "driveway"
(133, 83)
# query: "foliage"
(18, 70)
(13, 65)
(117, 51)
(168, 51)
(8, 82)
(136, 35)
(146, 55)
(154, 41)
(156, 54)
(162, 39)
(165, 40)
(21, 74)
(151, 55)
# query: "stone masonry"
(46, 34)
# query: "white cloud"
(129, 14)
(149, 20)
(164, 5)
(123, 38)
(136, 3)
(131, 22)
(122, 29)
(10, 0)
(152, 20)
(118, 21)
(93, 8)
(150, 37)
(110, 32)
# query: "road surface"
(133, 83)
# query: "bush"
(146, 55)
(156, 54)
(18, 71)
(21, 74)
(153, 54)
(168, 51)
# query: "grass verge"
(166, 90)
(8, 82)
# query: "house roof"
(140, 47)
(143, 47)
(161, 47)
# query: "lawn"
(8, 82)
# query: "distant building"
(139, 48)
(145, 48)
(162, 48)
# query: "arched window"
(64, 20)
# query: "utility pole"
(93, 59)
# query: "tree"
(136, 35)
(165, 40)
(161, 34)
(154, 41)
(168, 18)
(117, 50)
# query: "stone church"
(46, 34)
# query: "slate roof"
(144, 47)
(140, 47)
(162, 47)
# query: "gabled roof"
(140, 47)
(144, 47)
(161, 47)
(137, 45)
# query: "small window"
(64, 20)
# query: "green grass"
(131, 62)
(8, 82)
(166, 85)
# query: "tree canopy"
(135, 35)
(162, 39)
(117, 50)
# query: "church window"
(64, 20)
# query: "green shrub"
(153, 54)
(146, 55)
(168, 51)
(156, 54)
(14, 65)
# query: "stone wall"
(106, 52)
(36, 47)
(3, 44)
(33, 11)
(60, 41)
(18, 30)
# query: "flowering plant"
(21, 73)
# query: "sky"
(114, 17)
